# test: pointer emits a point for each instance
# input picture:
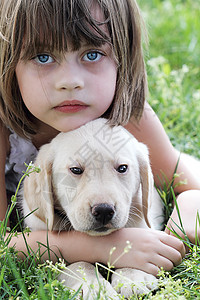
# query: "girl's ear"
(147, 181)
(37, 190)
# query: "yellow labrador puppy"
(95, 179)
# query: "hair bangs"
(72, 25)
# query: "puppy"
(95, 179)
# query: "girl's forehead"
(97, 12)
(60, 27)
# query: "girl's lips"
(71, 106)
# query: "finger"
(164, 263)
(173, 242)
(173, 257)
(151, 268)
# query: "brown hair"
(27, 26)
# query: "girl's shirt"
(21, 151)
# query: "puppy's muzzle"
(103, 214)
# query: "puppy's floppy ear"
(38, 188)
(147, 181)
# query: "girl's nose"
(69, 77)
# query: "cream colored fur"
(98, 150)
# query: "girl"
(63, 64)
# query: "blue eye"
(43, 59)
(92, 56)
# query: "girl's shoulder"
(21, 151)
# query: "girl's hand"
(188, 205)
(151, 249)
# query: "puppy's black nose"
(103, 213)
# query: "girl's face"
(67, 91)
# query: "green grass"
(173, 65)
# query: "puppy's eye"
(122, 169)
(76, 170)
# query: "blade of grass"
(2, 274)
(41, 292)
(19, 279)
(197, 241)
(177, 208)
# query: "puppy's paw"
(129, 281)
(83, 274)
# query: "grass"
(173, 65)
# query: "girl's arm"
(163, 155)
(4, 149)
(150, 249)
(188, 204)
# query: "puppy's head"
(91, 176)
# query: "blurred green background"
(173, 66)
